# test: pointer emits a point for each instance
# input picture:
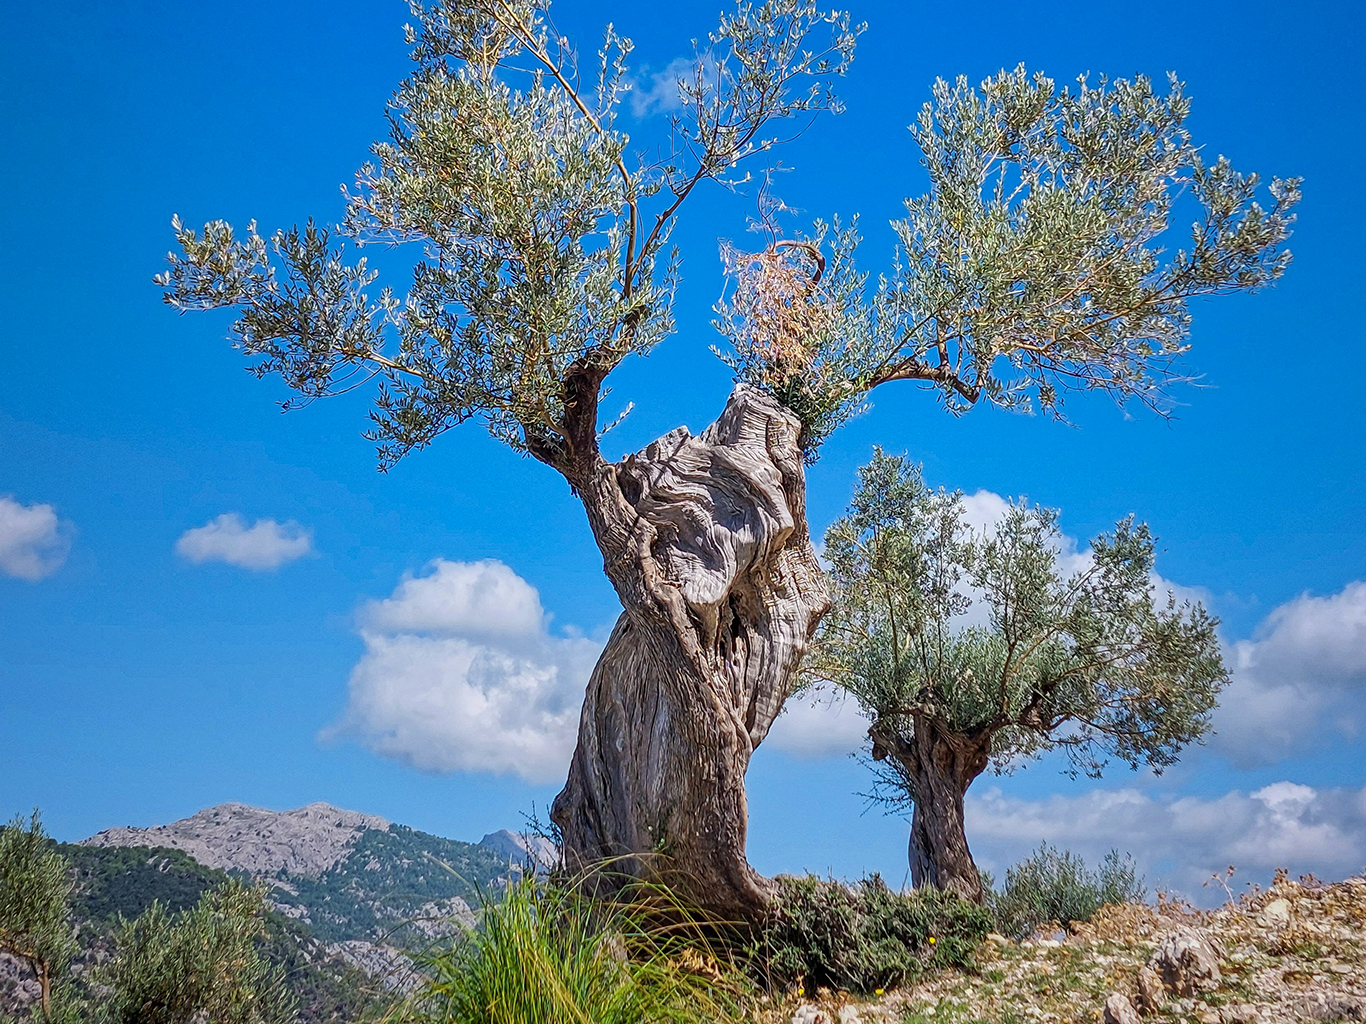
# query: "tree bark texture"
(705, 540)
(939, 765)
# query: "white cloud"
(659, 93)
(1181, 841)
(265, 544)
(1301, 675)
(460, 673)
(983, 509)
(33, 541)
(825, 723)
(460, 599)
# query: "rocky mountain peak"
(234, 837)
(519, 848)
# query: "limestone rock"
(235, 837)
(390, 966)
(1332, 1006)
(1151, 994)
(847, 1015)
(1241, 1013)
(520, 848)
(810, 1013)
(1119, 1009)
(1275, 914)
(1186, 961)
(438, 918)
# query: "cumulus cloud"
(264, 545)
(1300, 676)
(33, 541)
(461, 673)
(983, 509)
(1181, 841)
(825, 723)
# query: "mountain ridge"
(352, 896)
(306, 841)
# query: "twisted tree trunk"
(939, 765)
(705, 540)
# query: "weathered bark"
(939, 765)
(706, 542)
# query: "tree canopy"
(1039, 260)
(993, 636)
(546, 254)
(205, 961)
(35, 889)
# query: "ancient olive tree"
(983, 648)
(35, 888)
(543, 259)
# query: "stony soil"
(1294, 952)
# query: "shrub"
(203, 963)
(865, 937)
(544, 953)
(35, 888)
(1058, 886)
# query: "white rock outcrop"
(235, 837)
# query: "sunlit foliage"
(991, 637)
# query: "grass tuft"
(544, 953)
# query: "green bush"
(545, 954)
(1058, 886)
(203, 963)
(866, 937)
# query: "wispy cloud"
(460, 673)
(34, 542)
(262, 546)
(658, 93)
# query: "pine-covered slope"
(115, 882)
(352, 893)
(349, 877)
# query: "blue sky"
(138, 684)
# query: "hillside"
(1293, 953)
(349, 877)
(123, 881)
(351, 892)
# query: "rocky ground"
(1294, 952)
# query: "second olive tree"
(976, 649)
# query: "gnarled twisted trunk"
(705, 540)
(939, 765)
